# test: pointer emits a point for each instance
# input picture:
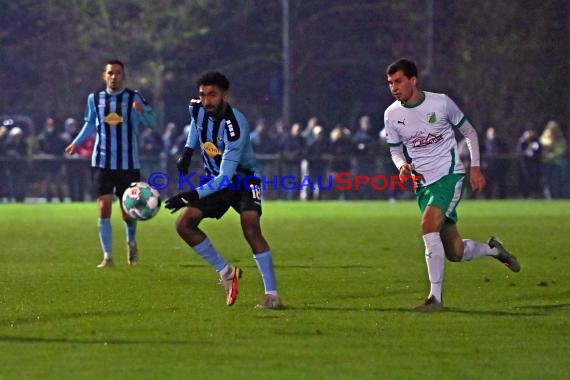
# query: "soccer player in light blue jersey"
(220, 133)
(425, 123)
(114, 114)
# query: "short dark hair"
(115, 62)
(407, 66)
(213, 78)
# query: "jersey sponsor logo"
(431, 118)
(211, 149)
(420, 140)
(113, 119)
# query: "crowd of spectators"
(33, 164)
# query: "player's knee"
(184, 226)
(181, 228)
(454, 254)
(453, 257)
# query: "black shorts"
(107, 181)
(245, 197)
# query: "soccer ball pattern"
(140, 201)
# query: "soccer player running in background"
(114, 114)
(424, 122)
(221, 135)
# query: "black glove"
(183, 162)
(180, 200)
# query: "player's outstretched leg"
(503, 255)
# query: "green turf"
(349, 273)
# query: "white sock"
(435, 260)
(107, 255)
(225, 272)
(473, 250)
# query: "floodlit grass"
(349, 273)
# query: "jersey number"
(256, 192)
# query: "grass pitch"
(349, 274)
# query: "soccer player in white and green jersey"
(425, 123)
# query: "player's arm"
(396, 148)
(145, 111)
(458, 120)
(399, 159)
(88, 126)
(227, 171)
(234, 141)
(476, 177)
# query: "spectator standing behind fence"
(75, 170)
(3, 184)
(292, 151)
(151, 148)
(554, 148)
(280, 132)
(265, 148)
(50, 156)
(495, 164)
(341, 150)
(262, 139)
(529, 151)
(309, 132)
(15, 169)
(171, 150)
(365, 147)
(318, 157)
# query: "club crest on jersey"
(113, 119)
(431, 118)
(211, 149)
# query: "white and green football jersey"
(427, 131)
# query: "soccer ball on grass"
(140, 201)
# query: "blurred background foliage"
(505, 63)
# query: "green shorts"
(444, 194)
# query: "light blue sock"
(105, 235)
(264, 263)
(131, 228)
(207, 251)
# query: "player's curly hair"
(213, 78)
